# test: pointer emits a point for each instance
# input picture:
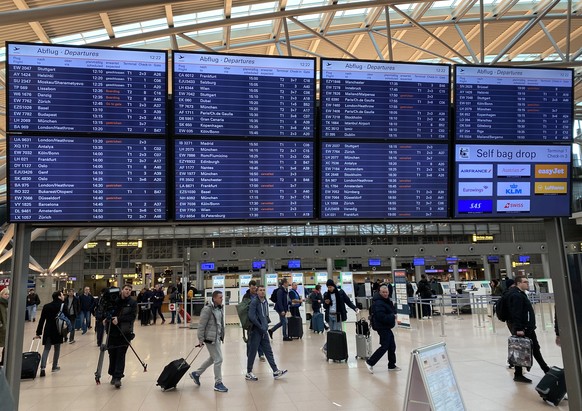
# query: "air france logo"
(475, 170)
(513, 189)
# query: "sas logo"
(513, 206)
(475, 170)
(513, 189)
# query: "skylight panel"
(309, 17)
(69, 39)
(354, 12)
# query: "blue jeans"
(334, 325)
(258, 339)
(282, 323)
(31, 312)
(85, 320)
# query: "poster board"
(401, 299)
(432, 385)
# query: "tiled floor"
(477, 354)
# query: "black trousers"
(387, 344)
(117, 349)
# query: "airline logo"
(476, 189)
(552, 188)
(513, 170)
(513, 189)
(513, 206)
(475, 206)
(551, 171)
(475, 170)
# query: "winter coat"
(76, 307)
(126, 312)
(342, 300)
(47, 326)
(87, 302)
(384, 318)
(259, 315)
(158, 298)
(3, 321)
(282, 304)
(211, 324)
(316, 300)
(521, 311)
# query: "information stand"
(243, 284)
(347, 284)
(431, 384)
(402, 307)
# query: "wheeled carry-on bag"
(552, 387)
(295, 327)
(363, 347)
(317, 324)
(337, 346)
(174, 371)
(30, 361)
(519, 351)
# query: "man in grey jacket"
(211, 334)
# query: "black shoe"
(117, 383)
(270, 333)
(287, 339)
(42, 373)
(521, 378)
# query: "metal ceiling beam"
(75, 249)
(226, 31)
(169, 15)
(375, 44)
(568, 29)
(196, 42)
(502, 8)
(463, 8)
(427, 32)
(467, 44)
(482, 30)
(276, 32)
(389, 34)
(34, 25)
(549, 36)
(107, 24)
(287, 38)
(307, 51)
(525, 30)
(418, 48)
(327, 18)
(328, 41)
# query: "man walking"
(258, 336)
(383, 322)
(87, 303)
(282, 306)
(32, 303)
(211, 334)
(296, 300)
(72, 309)
(250, 294)
(334, 303)
(522, 323)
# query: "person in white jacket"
(211, 334)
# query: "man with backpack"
(243, 315)
(281, 306)
(383, 320)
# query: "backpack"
(500, 308)
(371, 317)
(274, 295)
(63, 323)
(242, 310)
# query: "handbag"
(519, 352)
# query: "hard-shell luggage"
(552, 387)
(519, 351)
(337, 346)
(363, 346)
(30, 362)
(295, 327)
(317, 324)
(145, 314)
(175, 370)
(363, 328)
(181, 314)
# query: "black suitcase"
(174, 371)
(337, 346)
(30, 362)
(145, 314)
(295, 327)
(552, 387)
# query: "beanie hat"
(509, 282)
(330, 282)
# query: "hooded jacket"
(384, 318)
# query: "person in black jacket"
(425, 293)
(523, 323)
(157, 299)
(334, 303)
(47, 327)
(32, 302)
(120, 332)
(384, 320)
(72, 309)
(316, 298)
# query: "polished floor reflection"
(477, 353)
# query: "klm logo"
(513, 190)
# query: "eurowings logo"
(476, 189)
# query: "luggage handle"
(37, 345)
(197, 354)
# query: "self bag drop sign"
(512, 180)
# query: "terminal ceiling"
(516, 32)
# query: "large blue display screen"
(57, 89)
(249, 96)
(512, 180)
(86, 179)
(512, 104)
(379, 100)
(228, 179)
(377, 180)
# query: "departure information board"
(512, 104)
(512, 180)
(70, 179)
(378, 100)
(239, 95)
(227, 179)
(373, 180)
(81, 89)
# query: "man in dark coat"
(384, 320)
(47, 327)
(425, 293)
(72, 309)
(523, 323)
(334, 303)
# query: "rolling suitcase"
(317, 324)
(174, 371)
(295, 327)
(337, 346)
(519, 351)
(181, 314)
(145, 314)
(30, 362)
(363, 346)
(552, 387)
